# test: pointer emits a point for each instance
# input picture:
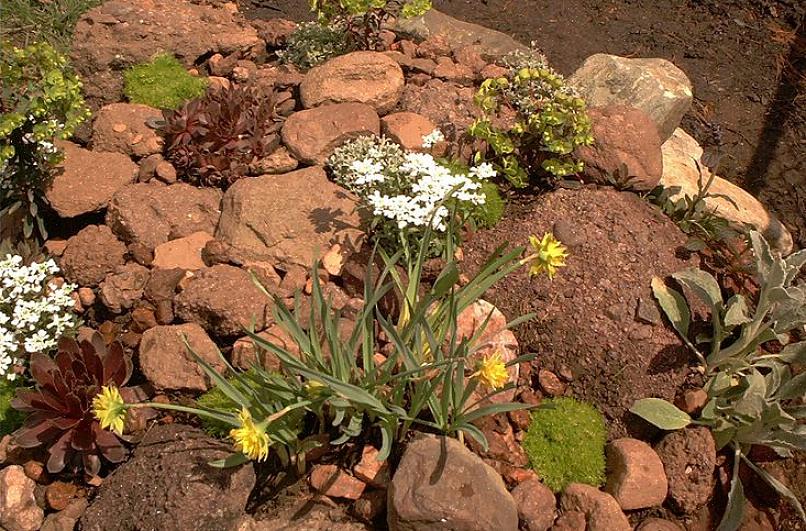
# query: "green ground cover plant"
(162, 83)
(565, 443)
(25, 22)
(313, 43)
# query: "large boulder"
(87, 180)
(440, 484)
(150, 213)
(224, 300)
(363, 77)
(120, 33)
(169, 485)
(623, 136)
(681, 153)
(91, 255)
(537, 506)
(312, 135)
(288, 219)
(122, 128)
(689, 460)
(168, 364)
(635, 475)
(458, 33)
(656, 86)
(601, 510)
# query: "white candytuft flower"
(433, 138)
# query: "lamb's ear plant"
(755, 398)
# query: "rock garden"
(386, 270)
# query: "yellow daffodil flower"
(549, 254)
(492, 371)
(110, 409)
(250, 439)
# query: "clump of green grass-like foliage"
(565, 443)
(163, 83)
(10, 418)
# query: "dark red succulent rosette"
(60, 406)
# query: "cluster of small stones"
(173, 261)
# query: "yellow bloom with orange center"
(549, 254)
(250, 439)
(492, 371)
(110, 409)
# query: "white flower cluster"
(406, 188)
(34, 312)
(433, 138)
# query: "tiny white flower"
(432, 138)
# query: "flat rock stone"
(312, 135)
(121, 128)
(362, 77)
(689, 460)
(169, 485)
(288, 219)
(184, 253)
(87, 180)
(601, 510)
(635, 475)
(440, 484)
(18, 508)
(91, 255)
(407, 129)
(151, 213)
(680, 152)
(121, 33)
(224, 300)
(656, 86)
(623, 136)
(457, 33)
(168, 364)
(332, 481)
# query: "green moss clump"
(565, 443)
(216, 399)
(163, 83)
(493, 209)
(10, 418)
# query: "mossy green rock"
(565, 443)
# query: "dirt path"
(745, 58)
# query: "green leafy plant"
(363, 20)
(217, 139)
(550, 121)
(10, 418)
(162, 83)
(313, 43)
(52, 21)
(755, 398)
(40, 102)
(565, 443)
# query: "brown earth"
(746, 59)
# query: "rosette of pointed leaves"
(59, 407)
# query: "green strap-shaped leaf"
(673, 305)
(737, 312)
(703, 284)
(734, 511)
(661, 413)
(777, 485)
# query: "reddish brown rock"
(370, 505)
(224, 300)
(332, 481)
(280, 161)
(363, 77)
(86, 296)
(658, 524)
(601, 510)
(59, 494)
(635, 475)
(172, 212)
(536, 505)
(407, 129)
(450, 71)
(121, 128)
(18, 508)
(470, 56)
(550, 383)
(288, 219)
(493, 71)
(274, 31)
(165, 172)
(87, 180)
(168, 364)
(312, 135)
(570, 521)
(692, 401)
(91, 255)
(245, 352)
(120, 289)
(689, 460)
(183, 253)
(143, 319)
(370, 470)
(442, 102)
(434, 46)
(623, 135)
(66, 519)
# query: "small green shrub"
(52, 21)
(40, 102)
(10, 418)
(313, 43)
(565, 443)
(550, 121)
(163, 83)
(363, 19)
(491, 212)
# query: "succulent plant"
(60, 406)
(217, 139)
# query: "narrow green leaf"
(673, 305)
(230, 461)
(734, 511)
(661, 413)
(794, 388)
(777, 485)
